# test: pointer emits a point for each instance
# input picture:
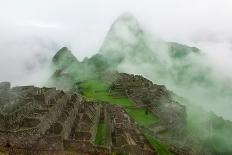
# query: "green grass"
(94, 85)
(98, 90)
(140, 116)
(101, 134)
(158, 146)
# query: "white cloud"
(32, 27)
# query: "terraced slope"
(98, 90)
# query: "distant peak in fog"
(127, 17)
(125, 27)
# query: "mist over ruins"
(135, 93)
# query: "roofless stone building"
(43, 121)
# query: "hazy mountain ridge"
(180, 68)
(126, 44)
(183, 69)
(98, 65)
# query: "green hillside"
(97, 90)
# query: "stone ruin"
(126, 136)
(42, 121)
(156, 98)
(159, 101)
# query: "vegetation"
(98, 90)
(213, 131)
(101, 134)
(98, 62)
(159, 147)
(140, 116)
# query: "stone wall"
(57, 122)
(154, 97)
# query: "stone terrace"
(154, 97)
(43, 121)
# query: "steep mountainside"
(127, 48)
(183, 69)
(146, 103)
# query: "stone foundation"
(48, 121)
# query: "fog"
(32, 31)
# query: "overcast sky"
(31, 31)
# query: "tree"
(146, 100)
(146, 111)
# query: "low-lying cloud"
(32, 31)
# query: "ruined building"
(154, 97)
(43, 121)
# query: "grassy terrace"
(98, 91)
(140, 116)
(161, 148)
(101, 133)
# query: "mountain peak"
(62, 51)
(127, 16)
(63, 58)
(124, 34)
(127, 23)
